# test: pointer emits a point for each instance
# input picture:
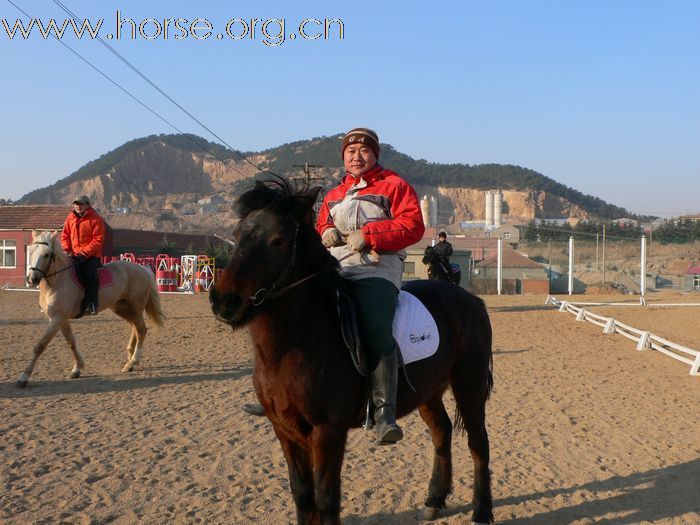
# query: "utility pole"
(549, 247)
(603, 253)
(308, 178)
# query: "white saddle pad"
(414, 329)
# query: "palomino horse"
(132, 291)
(282, 282)
(437, 269)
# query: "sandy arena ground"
(583, 428)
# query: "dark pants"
(375, 304)
(87, 273)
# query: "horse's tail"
(472, 382)
(153, 309)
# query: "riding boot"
(92, 285)
(384, 382)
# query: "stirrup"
(253, 409)
(90, 309)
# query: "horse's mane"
(46, 236)
(278, 194)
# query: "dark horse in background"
(281, 282)
(437, 270)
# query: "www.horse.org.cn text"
(269, 31)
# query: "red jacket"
(83, 235)
(396, 221)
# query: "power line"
(157, 88)
(129, 94)
(574, 233)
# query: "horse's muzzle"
(226, 307)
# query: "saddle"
(104, 275)
(351, 337)
(351, 334)
(349, 329)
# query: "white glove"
(332, 237)
(356, 241)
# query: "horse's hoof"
(128, 368)
(429, 513)
(75, 374)
(21, 383)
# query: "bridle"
(52, 259)
(278, 287)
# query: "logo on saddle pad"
(104, 274)
(414, 329)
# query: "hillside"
(157, 181)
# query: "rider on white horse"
(82, 239)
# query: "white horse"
(133, 290)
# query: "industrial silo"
(425, 210)
(497, 208)
(489, 209)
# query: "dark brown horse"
(281, 282)
(438, 270)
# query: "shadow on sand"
(531, 308)
(92, 385)
(660, 494)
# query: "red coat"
(396, 221)
(83, 235)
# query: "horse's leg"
(78, 363)
(328, 448)
(301, 480)
(122, 310)
(435, 416)
(49, 333)
(472, 410)
(140, 327)
(132, 343)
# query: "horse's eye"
(45, 255)
(278, 242)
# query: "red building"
(17, 223)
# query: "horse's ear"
(35, 234)
(304, 201)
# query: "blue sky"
(599, 95)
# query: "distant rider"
(82, 239)
(443, 250)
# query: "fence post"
(571, 265)
(609, 326)
(643, 264)
(643, 343)
(695, 369)
(581, 315)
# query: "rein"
(277, 288)
(51, 260)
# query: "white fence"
(643, 338)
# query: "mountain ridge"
(164, 176)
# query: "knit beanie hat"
(364, 136)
